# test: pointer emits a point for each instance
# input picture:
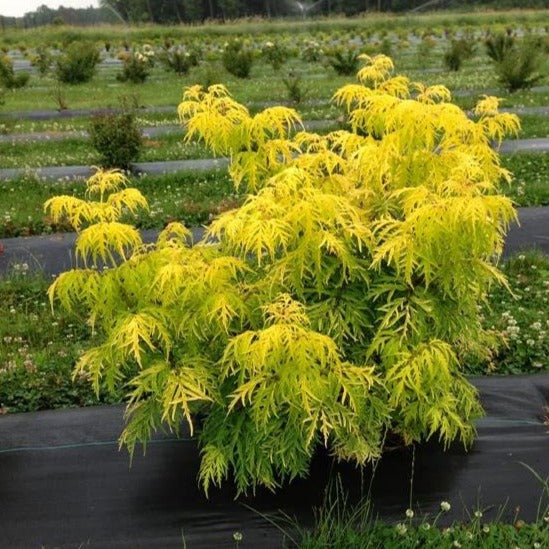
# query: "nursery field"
(353, 279)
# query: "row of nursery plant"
(517, 60)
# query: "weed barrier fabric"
(64, 483)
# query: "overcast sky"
(17, 8)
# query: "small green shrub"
(8, 78)
(42, 60)
(498, 46)
(77, 63)
(180, 60)
(275, 54)
(294, 88)
(424, 50)
(59, 95)
(344, 61)
(520, 67)
(457, 53)
(116, 138)
(237, 59)
(312, 52)
(136, 68)
(208, 75)
(386, 46)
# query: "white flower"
(401, 528)
(478, 514)
(537, 545)
(456, 543)
(409, 514)
(485, 529)
(237, 536)
(445, 506)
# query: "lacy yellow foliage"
(330, 308)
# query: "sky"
(17, 8)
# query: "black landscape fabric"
(65, 484)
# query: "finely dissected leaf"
(330, 308)
(105, 182)
(106, 240)
(136, 333)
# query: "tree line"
(189, 11)
(173, 11)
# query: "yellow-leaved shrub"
(331, 308)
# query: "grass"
(534, 126)
(530, 186)
(521, 317)
(193, 199)
(39, 347)
(342, 524)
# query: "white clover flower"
(237, 536)
(485, 529)
(456, 544)
(445, 506)
(537, 545)
(401, 528)
(409, 514)
(478, 514)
